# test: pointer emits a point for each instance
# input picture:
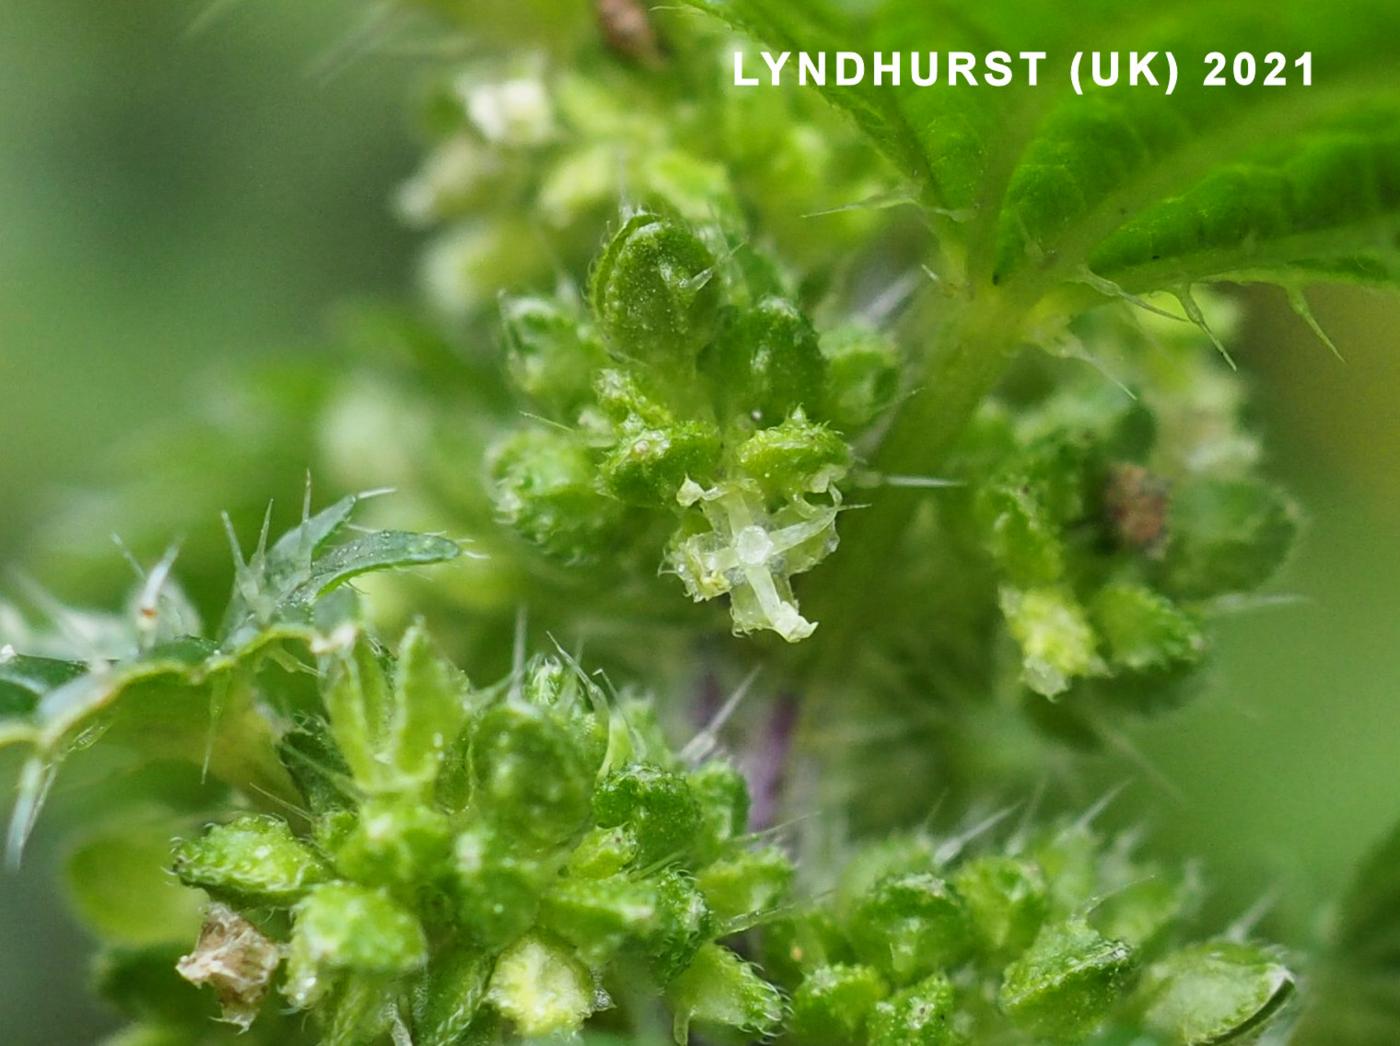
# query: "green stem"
(860, 583)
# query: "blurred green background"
(187, 185)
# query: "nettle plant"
(913, 423)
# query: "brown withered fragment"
(1136, 503)
(236, 960)
(629, 31)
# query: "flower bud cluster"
(1113, 538)
(693, 390)
(480, 865)
(1061, 936)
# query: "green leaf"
(1039, 186)
(1215, 992)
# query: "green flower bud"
(655, 805)
(1020, 534)
(447, 1001)
(532, 773)
(599, 916)
(393, 726)
(343, 928)
(1006, 901)
(765, 363)
(909, 926)
(833, 1004)
(1144, 631)
(1214, 992)
(648, 464)
(720, 989)
(621, 395)
(795, 945)
(573, 701)
(551, 354)
(497, 890)
(746, 884)
(603, 852)
(1057, 644)
(655, 291)
(921, 1015)
(723, 795)
(396, 842)
(683, 924)
(254, 859)
(429, 708)
(1067, 983)
(541, 988)
(795, 457)
(316, 766)
(1226, 536)
(862, 375)
(544, 487)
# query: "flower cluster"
(477, 862)
(1058, 936)
(1118, 519)
(696, 390)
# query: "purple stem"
(766, 766)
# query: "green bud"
(532, 773)
(603, 852)
(655, 291)
(429, 708)
(765, 363)
(795, 945)
(551, 354)
(344, 928)
(862, 375)
(599, 916)
(497, 890)
(1068, 981)
(1144, 631)
(657, 807)
(573, 701)
(1057, 644)
(541, 988)
(648, 464)
(448, 999)
(683, 924)
(1226, 536)
(1020, 534)
(544, 487)
(396, 842)
(720, 989)
(316, 766)
(723, 795)
(1214, 992)
(393, 726)
(254, 859)
(833, 1003)
(1006, 901)
(745, 884)
(794, 457)
(359, 703)
(909, 926)
(921, 1015)
(621, 395)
